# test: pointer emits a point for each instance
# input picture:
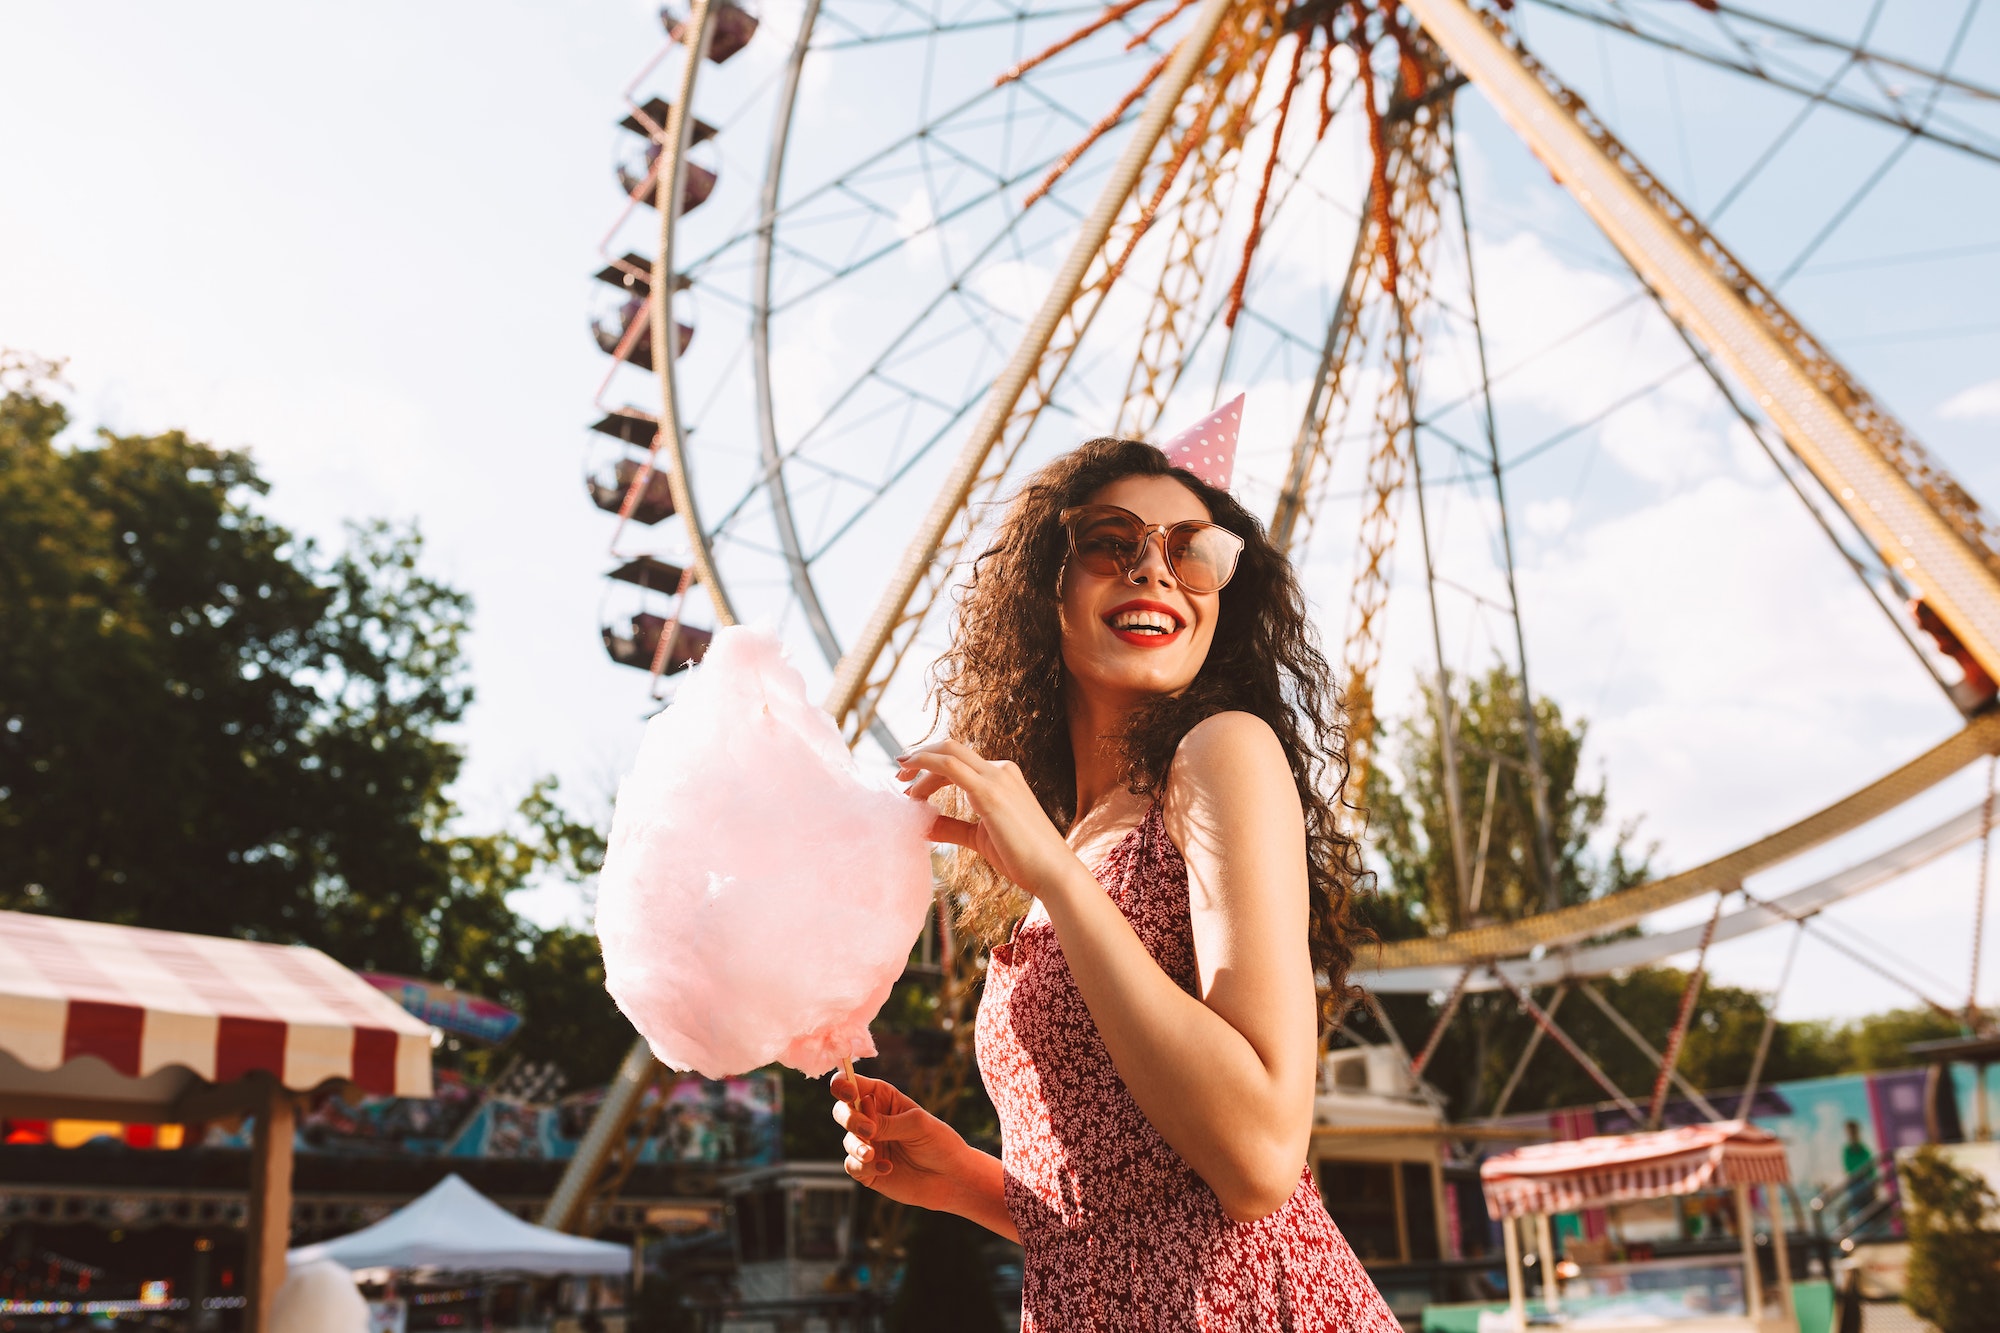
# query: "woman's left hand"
(1010, 828)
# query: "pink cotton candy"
(759, 896)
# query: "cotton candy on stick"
(759, 895)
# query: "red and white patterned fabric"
(1120, 1234)
(145, 1000)
(1618, 1168)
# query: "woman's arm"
(1226, 1076)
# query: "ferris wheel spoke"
(855, 263)
(1942, 77)
(904, 343)
(1887, 109)
(897, 476)
(921, 24)
(934, 131)
(856, 39)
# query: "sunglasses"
(1109, 542)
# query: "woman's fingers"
(851, 1120)
(926, 786)
(954, 769)
(961, 832)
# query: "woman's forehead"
(1154, 499)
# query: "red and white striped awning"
(1619, 1168)
(160, 1009)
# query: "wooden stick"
(847, 1068)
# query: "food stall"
(1689, 1294)
(126, 1025)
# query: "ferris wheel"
(918, 249)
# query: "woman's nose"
(1152, 564)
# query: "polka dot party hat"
(1208, 448)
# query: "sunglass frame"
(1069, 520)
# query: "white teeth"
(1145, 622)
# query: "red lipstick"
(1145, 638)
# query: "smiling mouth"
(1144, 625)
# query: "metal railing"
(1865, 1205)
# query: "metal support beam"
(1632, 1034)
(1531, 732)
(666, 345)
(565, 1208)
(1547, 1023)
(1444, 1018)
(1614, 911)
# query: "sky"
(358, 241)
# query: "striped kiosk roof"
(150, 1004)
(1620, 1168)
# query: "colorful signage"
(449, 1010)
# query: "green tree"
(1877, 1041)
(209, 724)
(1417, 894)
(1412, 836)
(1954, 1269)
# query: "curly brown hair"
(1000, 687)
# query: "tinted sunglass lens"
(1106, 544)
(1204, 557)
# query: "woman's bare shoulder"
(1228, 739)
(1230, 760)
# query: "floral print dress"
(1120, 1234)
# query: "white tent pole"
(1753, 1281)
(1517, 1286)
(1545, 1259)
(1777, 1211)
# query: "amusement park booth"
(791, 1227)
(116, 1023)
(1694, 1294)
(1377, 1156)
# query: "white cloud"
(1014, 287)
(1981, 401)
(1549, 518)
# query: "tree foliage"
(209, 724)
(1412, 836)
(1953, 1278)
(1417, 894)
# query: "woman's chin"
(1147, 678)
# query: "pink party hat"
(1208, 448)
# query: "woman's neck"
(1096, 726)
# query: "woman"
(1142, 731)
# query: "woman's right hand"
(894, 1146)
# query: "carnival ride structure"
(1079, 220)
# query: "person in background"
(1857, 1162)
